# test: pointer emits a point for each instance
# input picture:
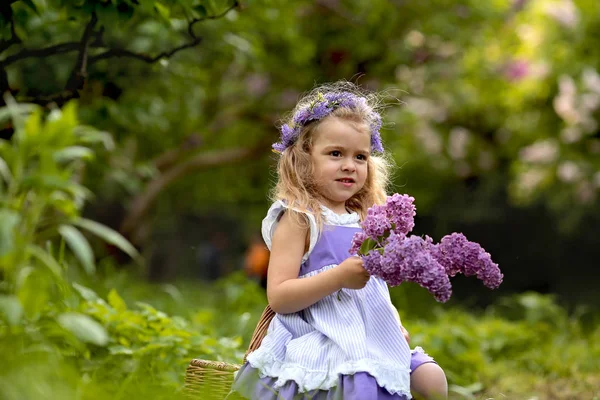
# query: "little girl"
(335, 334)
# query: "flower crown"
(324, 105)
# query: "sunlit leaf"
(107, 234)
(73, 153)
(17, 112)
(162, 11)
(80, 247)
(116, 301)
(89, 135)
(47, 259)
(5, 171)
(23, 274)
(60, 124)
(57, 182)
(33, 126)
(8, 221)
(120, 350)
(33, 286)
(85, 293)
(84, 328)
(12, 309)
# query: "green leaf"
(33, 126)
(22, 276)
(201, 11)
(116, 301)
(33, 287)
(5, 171)
(80, 247)
(89, 135)
(466, 392)
(85, 293)
(31, 4)
(16, 111)
(8, 221)
(366, 246)
(120, 350)
(73, 153)
(163, 12)
(45, 258)
(84, 328)
(12, 309)
(108, 15)
(56, 182)
(211, 6)
(108, 235)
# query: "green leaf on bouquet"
(366, 246)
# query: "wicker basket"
(205, 379)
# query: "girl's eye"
(361, 157)
(336, 153)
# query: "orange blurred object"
(257, 259)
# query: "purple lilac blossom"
(407, 259)
(397, 258)
(372, 263)
(375, 136)
(301, 116)
(357, 241)
(456, 254)
(320, 110)
(376, 222)
(322, 107)
(401, 212)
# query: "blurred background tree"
(492, 117)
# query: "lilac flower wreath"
(324, 105)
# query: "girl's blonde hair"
(296, 184)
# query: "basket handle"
(260, 331)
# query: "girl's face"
(339, 155)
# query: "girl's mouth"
(347, 182)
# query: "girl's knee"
(428, 381)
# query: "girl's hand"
(352, 273)
(405, 333)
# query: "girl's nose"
(348, 165)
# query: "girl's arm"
(285, 291)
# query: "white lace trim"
(272, 219)
(391, 377)
(419, 349)
(332, 218)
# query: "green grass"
(524, 347)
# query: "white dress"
(343, 333)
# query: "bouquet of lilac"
(389, 253)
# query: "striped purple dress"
(348, 345)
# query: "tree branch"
(77, 77)
(195, 20)
(79, 72)
(115, 52)
(44, 52)
(143, 57)
(144, 201)
(58, 98)
(170, 157)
